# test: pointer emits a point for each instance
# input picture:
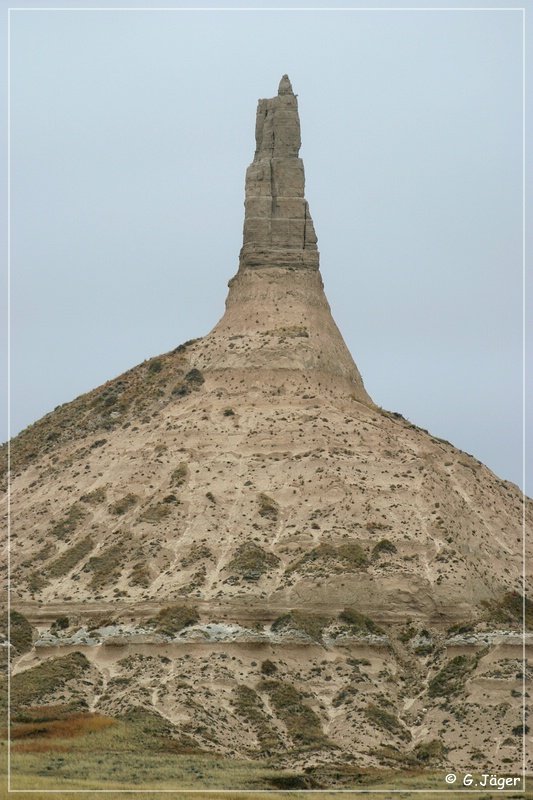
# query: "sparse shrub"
(32, 685)
(179, 475)
(451, 678)
(383, 546)
(508, 609)
(155, 366)
(175, 618)
(61, 623)
(302, 724)
(460, 628)
(36, 581)
(248, 704)
(94, 497)
(311, 624)
(343, 695)
(68, 560)
(196, 553)
(124, 504)
(195, 378)
(181, 390)
(170, 498)
(182, 347)
(21, 632)
(290, 332)
(106, 566)
(268, 507)
(429, 752)
(349, 557)
(155, 513)
(358, 623)
(251, 561)
(69, 523)
(268, 667)
(407, 633)
(293, 781)
(520, 730)
(386, 721)
(140, 575)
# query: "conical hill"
(248, 478)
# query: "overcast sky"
(130, 135)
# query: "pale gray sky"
(131, 132)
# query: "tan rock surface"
(249, 474)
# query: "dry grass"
(75, 725)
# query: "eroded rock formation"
(278, 229)
(233, 529)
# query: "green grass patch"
(251, 562)
(69, 559)
(21, 632)
(450, 680)
(303, 725)
(359, 623)
(249, 705)
(69, 523)
(123, 505)
(386, 721)
(105, 567)
(175, 618)
(346, 557)
(268, 507)
(155, 513)
(32, 685)
(179, 475)
(311, 624)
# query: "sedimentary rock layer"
(278, 229)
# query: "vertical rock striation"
(278, 229)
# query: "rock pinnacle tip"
(285, 86)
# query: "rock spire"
(278, 229)
(278, 329)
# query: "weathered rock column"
(277, 332)
(278, 229)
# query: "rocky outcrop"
(278, 229)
